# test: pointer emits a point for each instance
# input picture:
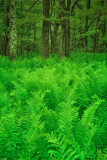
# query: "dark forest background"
(52, 27)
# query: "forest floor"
(54, 109)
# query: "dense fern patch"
(54, 109)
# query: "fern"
(53, 109)
(59, 148)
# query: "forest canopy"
(52, 27)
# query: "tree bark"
(54, 36)
(22, 43)
(2, 6)
(0, 46)
(96, 35)
(45, 29)
(13, 34)
(7, 29)
(103, 34)
(67, 31)
(86, 23)
(62, 39)
(63, 25)
(34, 32)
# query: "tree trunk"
(62, 39)
(7, 30)
(86, 24)
(96, 35)
(34, 32)
(63, 25)
(13, 34)
(45, 29)
(0, 46)
(67, 32)
(54, 39)
(22, 43)
(35, 38)
(2, 6)
(54, 35)
(85, 30)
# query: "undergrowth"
(54, 109)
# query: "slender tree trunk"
(22, 44)
(62, 39)
(67, 31)
(73, 46)
(45, 29)
(63, 25)
(54, 48)
(35, 38)
(51, 36)
(96, 35)
(85, 30)
(0, 46)
(86, 23)
(81, 42)
(34, 32)
(2, 5)
(7, 29)
(13, 34)
(102, 27)
(54, 35)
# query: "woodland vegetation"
(53, 80)
(54, 109)
(52, 26)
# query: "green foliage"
(54, 109)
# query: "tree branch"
(31, 8)
(73, 7)
(91, 22)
